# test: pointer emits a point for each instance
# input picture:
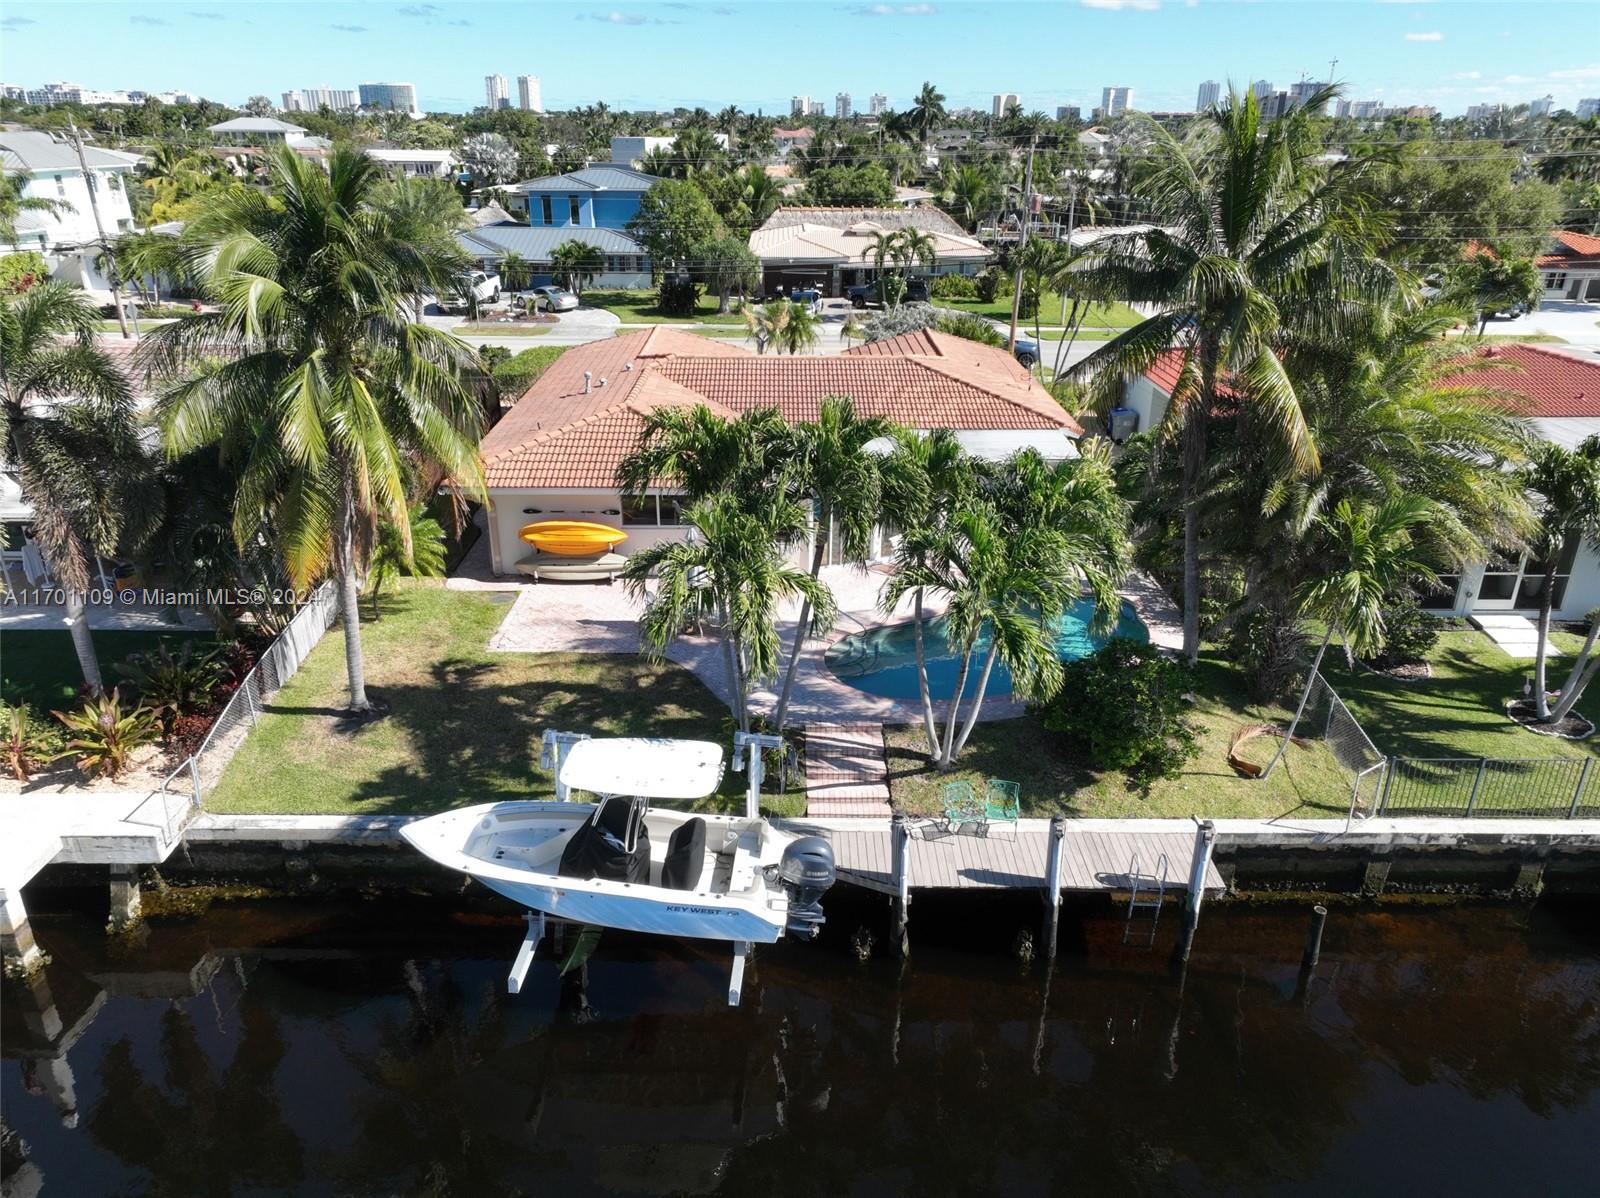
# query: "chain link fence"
(182, 793)
(1327, 721)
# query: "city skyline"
(1448, 54)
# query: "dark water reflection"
(368, 1049)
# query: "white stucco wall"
(508, 514)
(76, 226)
(1148, 400)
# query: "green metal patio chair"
(962, 805)
(1002, 801)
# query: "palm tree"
(1253, 235)
(575, 263)
(72, 438)
(699, 453)
(13, 204)
(427, 213)
(1370, 552)
(1567, 483)
(836, 466)
(766, 321)
(799, 330)
(927, 111)
(915, 246)
(419, 550)
(733, 574)
(727, 122)
(1011, 559)
(325, 388)
(1491, 283)
(760, 193)
(970, 192)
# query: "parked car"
(1026, 352)
(867, 293)
(811, 299)
(483, 287)
(917, 291)
(553, 299)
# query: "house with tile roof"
(1557, 393)
(1571, 268)
(556, 453)
(830, 249)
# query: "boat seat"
(686, 856)
(598, 849)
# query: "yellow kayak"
(571, 538)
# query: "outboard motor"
(806, 872)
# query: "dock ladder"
(1146, 892)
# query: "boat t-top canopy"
(651, 767)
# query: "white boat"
(618, 862)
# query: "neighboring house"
(1571, 270)
(788, 140)
(630, 151)
(627, 264)
(555, 454)
(48, 169)
(1560, 400)
(257, 131)
(830, 249)
(413, 163)
(596, 197)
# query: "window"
(664, 511)
(1555, 281)
(114, 181)
(672, 507)
(546, 211)
(61, 186)
(638, 509)
(574, 210)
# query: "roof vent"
(627, 366)
(602, 380)
(1491, 352)
(588, 381)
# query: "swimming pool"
(883, 661)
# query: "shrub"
(1272, 650)
(1123, 708)
(29, 741)
(22, 270)
(677, 296)
(954, 287)
(515, 374)
(103, 737)
(1409, 635)
(973, 328)
(172, 684)
(892, 322)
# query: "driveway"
(1572, 321)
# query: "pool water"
(883, 661)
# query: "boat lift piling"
(1052, 884)
(751, 745)
(553, 749)
(524, 957)
(899, 848)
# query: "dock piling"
(1205, 840)
(900, 846)
(1052, 883)
(16, 937)
(1319, 919)
(125, 898)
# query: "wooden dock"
(1012, 857)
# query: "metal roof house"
(257, 131)
(596, 197)
(627, 264)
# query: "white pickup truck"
(485, 288)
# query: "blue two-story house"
(592, 205)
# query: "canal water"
(368, 1048)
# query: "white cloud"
(619, 18)
(1591, 72)
(894, 10)
(1425, 37)
(1119, 5)
(1465, 75)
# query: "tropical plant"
(1567, 485)
(22, 270)
(171, 685)
(13, 204)
(1368, 552)
(970, 326)
(1009, 560)
(575, 264)
(1409, 634)
(698, 453)
(1254, 235)
(1492, 283)
(956, 287)
(418, 551)
(970, 192)
(72, 436)
(837, 466)
(674, 216)
(326, 389)
(1125, 707)
(29, 744)
(726, 265)
(732, 575)
(798, 331)
(489, 158)
(760, 193)
(426, 213)
(103, 737)
(927, 112)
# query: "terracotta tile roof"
(1573, 249)
(558, 436)
(1554, 384)
(1165, 370)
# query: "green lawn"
(489, 328)
(464, 724)
(1528, 338)
(41, 668)
(1456, 713)
(639, 307)
(1099, 316)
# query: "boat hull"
(674, 914)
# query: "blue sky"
(1449, 53)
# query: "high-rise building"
(388, 97)
(1364, 110)
(1001, 102)
(800, 106)
(816, 108)
(1484, 112)
(1300, 93)
(841, 106)
(1261, 88)
(1210, 92)
(1542, 107)
(312, 99)
(495, 92)
(1069, 112)
(1588, 107)
(528, 97)
(292, 102)
(1114, 101)
(878, 105)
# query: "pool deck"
(597, 618)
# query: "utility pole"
(99, 227)
(1022, 240)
